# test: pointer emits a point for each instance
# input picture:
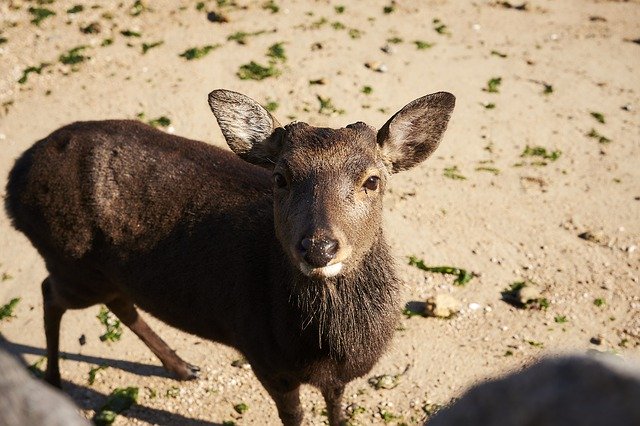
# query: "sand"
(512, 218)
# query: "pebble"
(528, 293)
(474, 306)
(387, 48)
(442, 306)
(377, 67)
(597, 237)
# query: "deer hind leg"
(128, 314)
(53, 311)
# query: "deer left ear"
(414, 132)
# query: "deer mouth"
(321, 272)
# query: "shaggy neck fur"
(352, 313)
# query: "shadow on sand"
(88, 399)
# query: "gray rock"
(563, 391)
(27, 401)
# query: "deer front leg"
(286, 395)
(333, 398)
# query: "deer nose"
(318, 252)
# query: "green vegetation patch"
(36, 368)
(137, 8)
(94, 371)
(538, 151)
(462, 275)
(492, 170)
(440, 28)
(355, 33)
(76, 9)
(29, 70)
(162, 121)
(242, 37)
(241, 408)
(113, 331)
(40, 14)
(276, 52)
(327, 107)
(198, 52)
(601, 138)
(256, 71)
(493, 85)
(74, 56)
(560, 319)
(599, 117)
(118, 401)
(271, 106)
(148, 46)
(131, 33)
(6, 310)
(453, 173)
(271, 6)
(423, 45)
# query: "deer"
(275, 249)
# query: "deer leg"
(333, 399)
(53, 312)
(128, 314)
(287, 398)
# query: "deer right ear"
(249, 129)
(414, 132)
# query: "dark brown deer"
(281, 256)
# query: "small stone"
(217, 17)
(442, 306)
(474, 306)
(385, 381)
(82, 340)
(387, 48)
(597, 237)
(631, 248)
(597, 340)
(376, 66)
(528, 293)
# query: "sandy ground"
(511, 219)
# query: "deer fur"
(283, 259)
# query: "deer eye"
(371, 184)
(279, 180)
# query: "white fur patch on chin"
(326, 271)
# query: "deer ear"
(414, 132)
(249, 129)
